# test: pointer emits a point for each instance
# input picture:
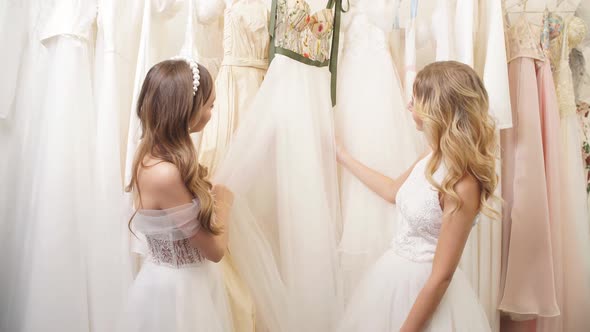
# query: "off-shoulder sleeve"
(174, 224)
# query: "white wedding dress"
(46, 243)
(282, 162)
(388, 291)
(177, 289)
(374, 125)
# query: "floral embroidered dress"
(282, 162)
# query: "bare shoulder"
(468, 186)
(468, 189)
(160, 175)
(162, 186)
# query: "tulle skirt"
(187, 299)
(282, 162)
(387, 293)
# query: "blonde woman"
(416, 286)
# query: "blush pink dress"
(530, 183)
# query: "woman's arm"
(452, 238)
(163, 188)
(212, 246)
(382, 185)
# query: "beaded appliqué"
(301, 32)
(174, 254)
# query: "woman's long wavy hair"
(452, 102)
(166, 108)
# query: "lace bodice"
(168, 232)
(245, 35)
(522, 40)
(421, 215)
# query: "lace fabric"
(172, 253)
(522, 41)
(168, 232)
(421, 213)
(362, 35)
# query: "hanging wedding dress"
(19, 137)
(13, 32)
(108, 246)
(282, 162)
(51, 293)
(244, 65)
(382, 136)
(573, 288)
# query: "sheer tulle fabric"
(177, 300)
(282, 162)
(374, 125)
(174, 224)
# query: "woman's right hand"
(341, 153)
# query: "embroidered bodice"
(167, 233)
(310, 36)
(245, 35)
(421, 215)
(302, 32)
(522, 40)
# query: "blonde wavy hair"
(166, 107)
(452, 102)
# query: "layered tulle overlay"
(385, 296)
(374, 125)
(282, 162)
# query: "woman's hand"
(341, 153)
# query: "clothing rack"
(542, 11)
(523, 3)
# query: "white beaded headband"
(195, 69)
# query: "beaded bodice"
(168, 232)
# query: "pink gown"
(530, 180)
